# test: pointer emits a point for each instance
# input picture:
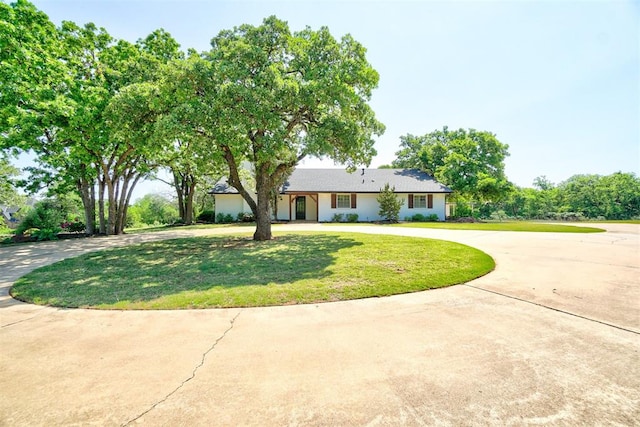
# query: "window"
(344, 201)
(420, 201)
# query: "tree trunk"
(102, 219)
(188, 208)
(178, 184)
(87, 195)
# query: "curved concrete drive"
(551, 337)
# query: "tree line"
(471, 163)
(100, 114)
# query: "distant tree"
(390, 204)
(471, 162)
(154, 209)
(615, 196)
(8, 173)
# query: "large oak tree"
(272, 97)
(471, 162)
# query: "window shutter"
(333, 201)
(410, 201)
(430, 201)
(353, 200)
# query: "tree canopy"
(471, 162)
(271, 97)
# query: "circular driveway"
(551, 337)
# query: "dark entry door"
(301, 207)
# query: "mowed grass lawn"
(538, 227)
(235, 271)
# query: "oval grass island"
(234, 271)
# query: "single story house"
(319, 194)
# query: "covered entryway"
(299, 207)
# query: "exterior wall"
(283, 208)
(438, 206)
(367, 207)
(231, 204)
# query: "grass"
(538, 227)
(228, 271)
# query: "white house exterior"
(319, 194)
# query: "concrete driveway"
(551, 337)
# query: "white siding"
(438, 207)
(367, 207)
(283, 208)
(231, 204)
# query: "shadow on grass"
(149, 271)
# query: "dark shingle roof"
(340, 181)
(361, 181)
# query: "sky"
(558, 81)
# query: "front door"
(301, 207)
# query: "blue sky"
(559, 81)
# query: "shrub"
(389, 204)
(206, 216)
(45, 215)
(75, 226)
(498, 215)
(352, 217)
(224, 218)
(45, 234)
(432, 218)
(245, 217)
(418, 218)
(337, 217)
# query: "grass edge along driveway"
(234, 271)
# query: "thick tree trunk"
(188, 208)
(101, 212)
(111, 219)
(263, 207)
(87, 195)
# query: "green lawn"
(505, 226)
(234, 271)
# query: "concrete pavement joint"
(554, 309)
(193, 374)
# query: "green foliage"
(207, 216)
(470, 162)
(272, 97)
(8, 193)
(153, 209)
(46, 215)
(337, 217)
(352, 217)
(424, 218)
(389, 204)
(75, 226)
(615, 196)
(45, 234)
(224, 218)
(245, 217)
